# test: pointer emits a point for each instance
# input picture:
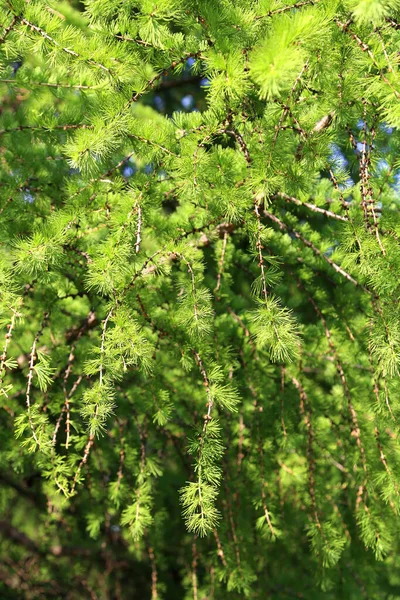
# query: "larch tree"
(199, 369)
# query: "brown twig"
(316, 251)
(283, 9)
(221, 263)
(90, 441)
(47, 84)
(365, 48)
(367, 201)
(64, 127)
(8, 29)
(313, 207)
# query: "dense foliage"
(199, 375)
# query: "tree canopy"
(199, 299)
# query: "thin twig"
(365, 48)
(139, 229)
(313, 207)
(318, 252)
(47, 84)
(90, 441)
(259, 247)
(64, 127)
(8, 29)
(46, 36)
(30, 377)
(283, 9)
(221, 262)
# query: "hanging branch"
(139, 229)
(263, 484)
(84, 459)
(375, 379)
(90, 440)
(356, 432)
(304, 401)
(142, 437)
(221, 263)
(64, 409)
(337, 188)
(68, 370)
(193, 282)
(260, 247)
(383, 460)
(220, 550)
(3, 357)
(242, 144)
(210, 403)
(30, 377)
(228, 505)
(367, 201)
(246, 331)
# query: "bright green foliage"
(199, 378)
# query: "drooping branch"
(259, 247)
(30, 378)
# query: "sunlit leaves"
(198, 502)
(374, 532)
(98, 406)
(276, 330)
(326, 542)
(373, 11)
(35, 255)
(280, 58)
(43, 370)
(126, 346)
(385, 344)
(164, 408)
(137, 516)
